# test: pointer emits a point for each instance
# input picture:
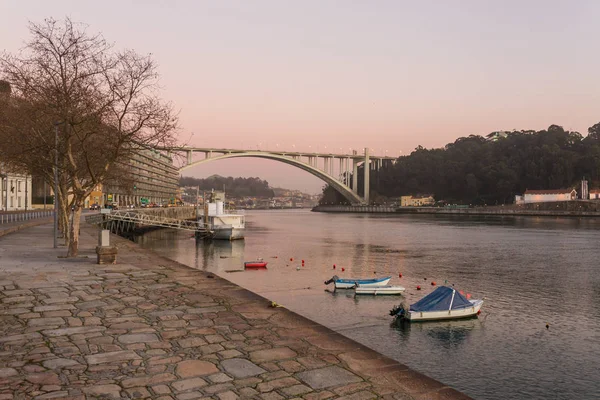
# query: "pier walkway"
(149, 327)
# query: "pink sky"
(389, 75)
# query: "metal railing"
(134, 217)
(10, 217)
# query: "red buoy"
(468, 296)
(291, 259)
(479, 312)
(418, 287)
(433, 283)
(343, 269)
(461, 292)
(302, 261)
(400, 275)
(333, 266)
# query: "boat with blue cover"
(443, 303)
(349, 283)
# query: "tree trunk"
(63, 213)
(74, 234)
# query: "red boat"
(255, 264)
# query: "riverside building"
(15, 191)
(153, 179)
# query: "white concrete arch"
(344, 190)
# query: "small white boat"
(379, 290)
(443, 303)
(349, 283)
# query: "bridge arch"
(344, 190)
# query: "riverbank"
(151, 327)
(500, 211)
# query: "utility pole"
(55, 183)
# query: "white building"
(15, 191)
(595, 194)
(540, 196)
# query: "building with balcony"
(150, 177)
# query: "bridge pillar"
(367, 171)
(355, 176)
(189, 157)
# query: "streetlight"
(56, 124)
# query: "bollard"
(107, 254)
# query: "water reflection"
(447, 334)
(209, 252)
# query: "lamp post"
(56, 183)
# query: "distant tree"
(473, 170)
(235, 187)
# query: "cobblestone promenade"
(151, 328)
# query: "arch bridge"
(333, 169)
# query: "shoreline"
(454, 211)
(178, 316)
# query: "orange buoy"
(418, 287)
(468, 296)
(433, 283)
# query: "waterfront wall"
(355, 209)
(575, 209)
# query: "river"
(532, 271)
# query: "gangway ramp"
(127, 220)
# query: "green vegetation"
(475, 170)
(234, 187)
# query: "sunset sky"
(341, 75)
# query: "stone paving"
(149, 327)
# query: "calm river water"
(531, 271)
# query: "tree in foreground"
(103, 102)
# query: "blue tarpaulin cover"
(439, 300)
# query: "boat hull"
(380, 290)
(352, 283)
(255, 265)
(228, 233)
(467, 312)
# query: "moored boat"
(349, 283)
(379, 290)
(441, 304)
(255, 264)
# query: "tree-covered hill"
(476, 170)
(234, 187)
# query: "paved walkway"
(149, 327)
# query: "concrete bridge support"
(367, 171)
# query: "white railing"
(10, 217)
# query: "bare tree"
(105, 102)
